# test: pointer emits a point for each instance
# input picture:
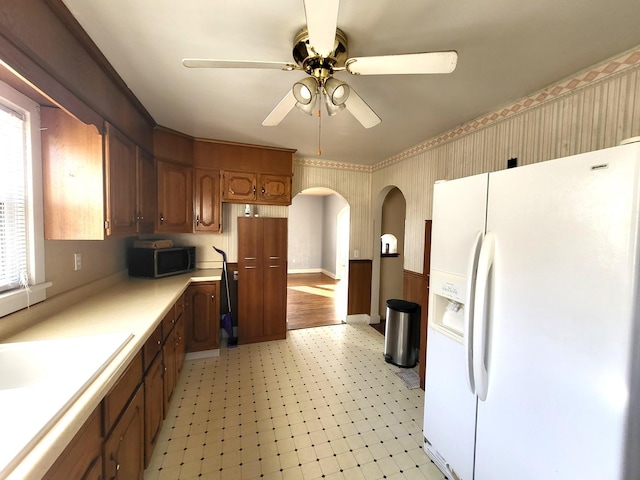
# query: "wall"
(100, 258)
(306, 232)
(594, 109)
(353, 183)
(332, 204)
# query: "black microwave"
(161, 262)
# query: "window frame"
(17, 299)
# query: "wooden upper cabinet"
(89, 179)
(274, 189)
(251, 173)
(147, 188)
(239, 187)
(175, 198)
(260, 188)
(208, 203)
(120, 162)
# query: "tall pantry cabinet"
(262, 279)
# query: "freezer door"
(459, 213)
(450, 405)
(560, 310)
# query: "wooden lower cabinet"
(202, 317)
(262, 279)
(82, 459)
(124, 446)
(117, 441)
(153, 406)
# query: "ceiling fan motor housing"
(314, 64)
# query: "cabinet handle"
(249, 258)
(115, 460)
(274, 266)
(249, 267)
(161, 217)
(274, 258)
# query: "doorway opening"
(318, 259)
(388, 265)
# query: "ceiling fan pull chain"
(319, 118)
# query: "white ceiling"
(507, 49)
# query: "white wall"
(332, 205)
(306, 233)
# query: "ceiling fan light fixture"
(308, 108)
(332, 108)
(305, 90)
(337, 91)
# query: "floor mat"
(410, 378)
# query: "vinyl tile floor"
(321, 404)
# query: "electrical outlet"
(77, 261)
(356, 254)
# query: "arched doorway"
(319, 220)
(391, 249)
(387, 268)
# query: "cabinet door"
(250, 272)
(175, 198)
(169, 367)
(124, 447)
(202, 324)
(274, 239)
(82, 459)
(120, 161)
(275, 189)
(180, 345)
(73, 184)
(153, 406)
(146, 199)
(239, 187)
(208, 203)
(274, 315)
(275, 277)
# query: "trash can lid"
(402, 305)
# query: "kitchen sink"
(39, 380)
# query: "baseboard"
(304, 270)
(359, 319)
(202, 354)
(330, 274)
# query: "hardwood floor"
(311, 301)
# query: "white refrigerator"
(533, 353)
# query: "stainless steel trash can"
(401, 333)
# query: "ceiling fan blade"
(322, 21)
(214, 63)
(359, 109)
(281, 110)
(429, 62)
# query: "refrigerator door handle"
(472, 270)
(485, 262)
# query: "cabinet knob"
(159, 342)
(161, 217)
(254, 189)
(197, 220)
(263, 190)
(213, 297)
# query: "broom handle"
(226, 275)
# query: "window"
(21, 231)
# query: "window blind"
(13, 204)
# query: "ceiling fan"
(320, 50)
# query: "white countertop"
(134, 307)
